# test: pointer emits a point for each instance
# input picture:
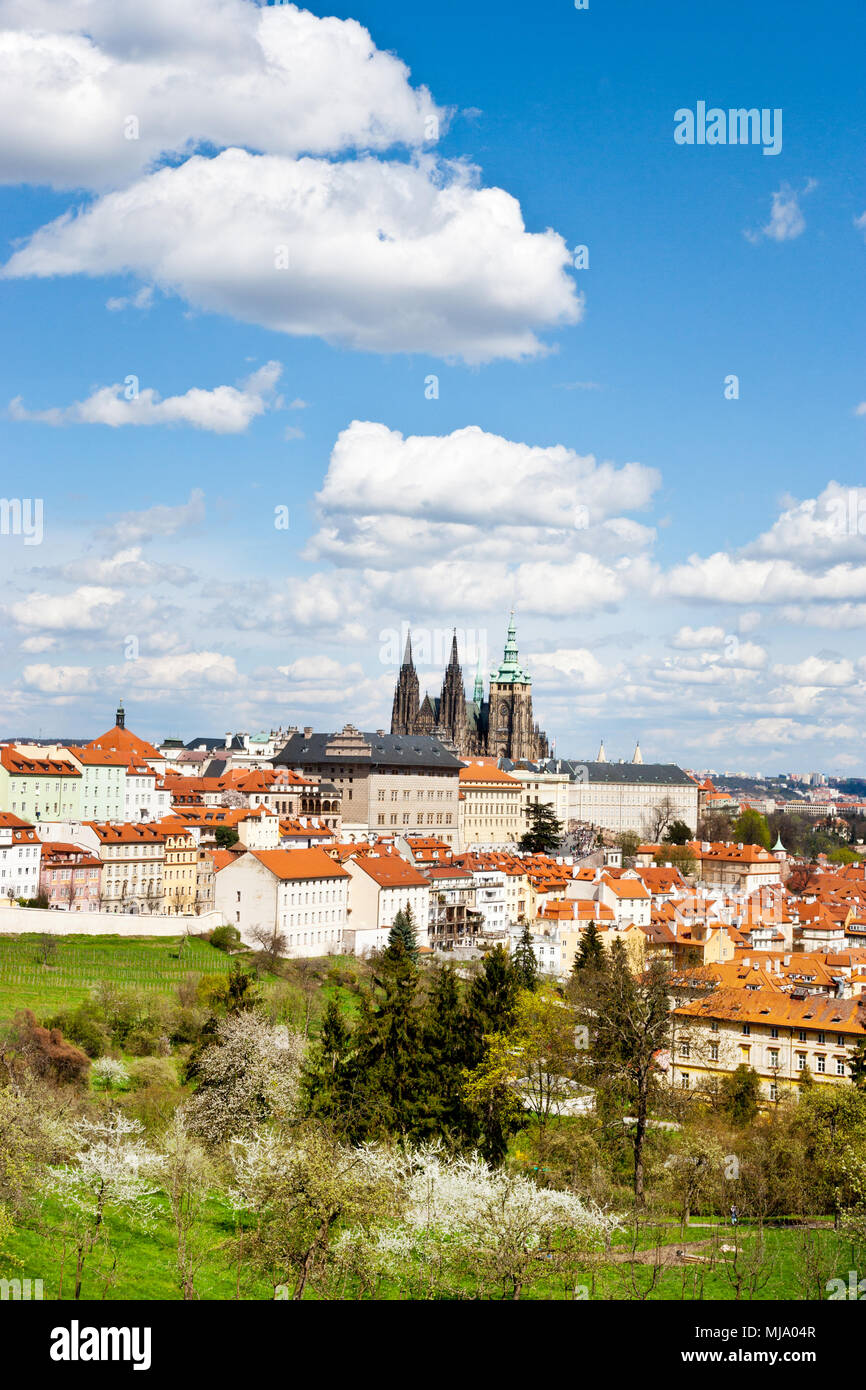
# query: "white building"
(302, 893)
(381, 886)
(624, 796)
(20, 855)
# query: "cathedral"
(500, 726)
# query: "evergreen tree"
(492, 999)
(403, 931)
(388, 1070)
(590, 954)
(525, 963)
(325, 1075)
(544, 832)
(445, 1054)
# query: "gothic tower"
(511, 732)
(404, 712)
(452, 702)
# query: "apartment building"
(777, 1034)
(383, 884)
(491, 806)
(133, 860)
(387, 783)
(39, 788)
(302, 893)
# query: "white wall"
(38, 919)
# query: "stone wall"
(17, 920)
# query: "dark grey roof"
(659, 774)
(211, 744)
(407, 750)
(216, 767)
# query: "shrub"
(46, 1053)
(226, 939)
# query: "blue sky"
(687, 568)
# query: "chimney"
(308, 731)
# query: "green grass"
(77, 964)
(145, 1265)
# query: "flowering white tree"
(301, 1194)
(249, 1075)
(110, 1169)
(109, 1073)
(459, 1222)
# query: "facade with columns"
(501, 726)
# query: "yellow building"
(491, 805)
(180, 876)
(776, 1034)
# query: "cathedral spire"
(120, 717)
(404, 711)
(455, 659)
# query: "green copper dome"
(510, 670)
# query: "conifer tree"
(325, 1076)
(388, 1066)
(525, 963)
(492, 999)
(590, 953)
(403, 930)
(445, 1055)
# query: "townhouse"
(39, 788)
(180, 867)
(20, 858)
(381, 885)
(102, 791)
(70, 877)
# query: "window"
(801, 1061)
(774, 1032)
(747, 1030)
(840, 1066)
(801, 1035)
(821, 1038)
(684, 1047)
(774, 1091)
(773, 1057)
(822, 1062)
(714, 1052)
(714, 1027)
(685, 1081)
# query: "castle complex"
(500, 726)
